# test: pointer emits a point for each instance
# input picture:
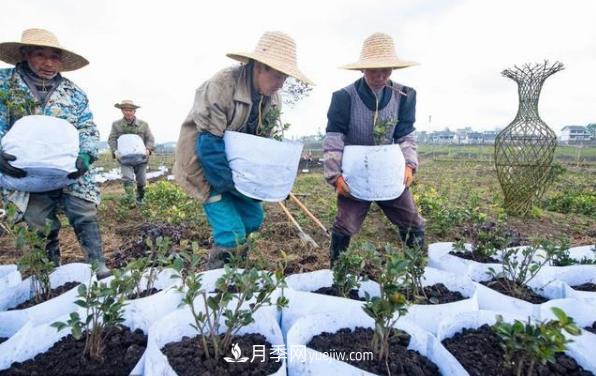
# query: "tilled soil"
(585, 287)
(437, 294)
(122, 352)
(334, 291)
(401, 360)
(521, 292)
(591, 329)
(479, 352)
(53, 293)
(475, 257)
(187, 357)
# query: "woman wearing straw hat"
(238, 99)
(130, 124)
(35, 86)
(353, 112)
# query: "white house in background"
(442, 137)
(574, 133)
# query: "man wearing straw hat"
(237, 98)
(35, 86)
(352, 115)
(130, 124)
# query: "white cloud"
(158, 52)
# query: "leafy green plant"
(416, 261)
(381, 128)
(520, 266)
(572, 201)
(349, 270)
(104, 310)
(526, 344)
(143, 271)
(488, 237)
(166, 202)
(442, 215)
(234, 310)
(17, 101)
(272, 125)
(390, 305)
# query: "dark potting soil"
(401, 360)
(591, 329)
(521, 292)
(3, 339)
(53, 293)
(144, 293)
(122, 352)
(585, 287)
(475, 257)
(334, 291)
(437, 294)
(479, 352)
(187, 357)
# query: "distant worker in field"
(137, 149)
(355, 115)
(238, 98)
(35, 86)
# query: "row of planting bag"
(309, 314)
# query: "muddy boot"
(140, 194)
(218, 257)
(339, 243)
(103, 271)
(412, 238)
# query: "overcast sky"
(158, 52)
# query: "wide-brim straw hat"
(10, 52)
(127, 103)
(378, 51)
(277, 50)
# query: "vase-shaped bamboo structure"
(524, 150)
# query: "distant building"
(488, 137)
(442, 137)
(165, 148)
(574, 134)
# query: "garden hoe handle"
(303, 236)
(309, 214)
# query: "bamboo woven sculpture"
(524, 150)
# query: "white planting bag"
(174, 326)
(306, 361)
(262, 168)
(374, 173)
(9, 276)
(12, 321)
(46, 148)
(132, 150)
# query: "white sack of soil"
(439, 257)
(313, 281)
(131, 149)
(262, 168)
(46, 148)
(12, 321)
(177, 324)
(472, 320)
(31, 340)
(374, 173)
(305, 361)
(9, 276)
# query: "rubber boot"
(412, 238)
(140, 194)
(339, 244)
(53, 247)
(218, 257)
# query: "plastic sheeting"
(46, 148)
(9, 276)
(132, 150)
(262, 168)
(374, 173)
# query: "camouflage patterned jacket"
(66, 102)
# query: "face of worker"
(45, 62)
(267, 80)
(377, 78)
(129, 113)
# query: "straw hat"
(127, 103)
(10, 52)
(277, 50)
(378, 51)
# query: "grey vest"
(360, 131)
